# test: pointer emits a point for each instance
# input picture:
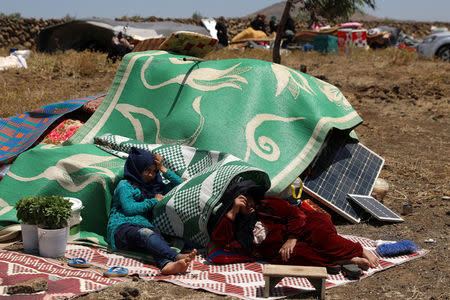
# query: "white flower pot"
(30, 238)
(74, 222)
(52, 242)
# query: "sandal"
(334, 269)
(78, 262)
(116, 272)
(352, 271)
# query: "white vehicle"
(436, 44)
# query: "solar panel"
(375, 208)
(343, 167)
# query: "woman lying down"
(275, 231)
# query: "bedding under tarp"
(20, 132)
(266, 114)
(88, 173)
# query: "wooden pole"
(280, 32)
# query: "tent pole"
(280, 31)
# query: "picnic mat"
(63, 281)
(87, 172)
(243, 280)
(271, 116)
(18, 133)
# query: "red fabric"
(63, 281)
(307, 204)
(318, 243)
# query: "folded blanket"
(20, 132)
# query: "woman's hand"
(240, 202)
(159, 197)
(158, 159)
(287, 248)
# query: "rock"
(134, 292)
(15, 40)
(27, 45)
(129, 292)
(28, 287)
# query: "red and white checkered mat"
(243, 280)
(63, 281)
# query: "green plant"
(28, 209)
(54, 212)
(197, 15)
(14, 16)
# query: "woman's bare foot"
(361, 262)
(175, 267)
(368, 260)
(373, 260)
(189, 256)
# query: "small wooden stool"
(275, 273)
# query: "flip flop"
(78, 262)
(351, 271)
(116, 272)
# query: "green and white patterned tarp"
(90, 173)
(266, 114)
(184, 212)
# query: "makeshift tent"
(97, 34)
(268, 115)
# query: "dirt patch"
(405, 105)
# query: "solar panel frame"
(368, 203)
(341, 175)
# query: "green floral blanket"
(266, 114)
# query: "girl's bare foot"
(373, 260)
(175, 267)
(189, 256)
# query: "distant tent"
(97, 34)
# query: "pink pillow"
(351, 24)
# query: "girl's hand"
(159, 197)
(287, 248)
(158, 159)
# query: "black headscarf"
(137, 162)
(244, 223)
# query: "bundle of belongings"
(307, 36)
(16, 59)
(280, 124)
(387, 36)
(251, 38)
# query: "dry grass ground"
(405, 105)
